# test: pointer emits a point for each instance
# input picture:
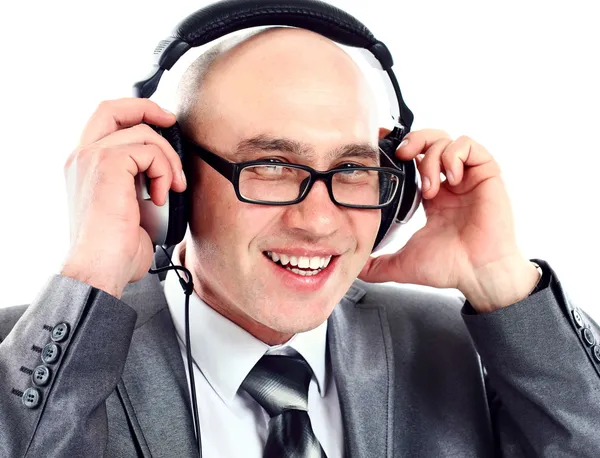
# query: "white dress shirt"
(232, 423)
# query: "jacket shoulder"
(417, 306)
(9, 317)
(418, 299)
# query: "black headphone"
(167, 225)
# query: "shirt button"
(588, 336)
(577, 318)
(60, 332)
(596, 353)
(41, 375)
(50, 353)
(31, 398)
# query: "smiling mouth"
(300, 265)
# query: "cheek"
(366, 224)
(211, 208)
(222, 223)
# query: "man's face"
(309, 113)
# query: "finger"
(429, 168)
(465, 152)
(113, 115)
(382, 269)
(147, 159)
(145, 135)
(417, 142)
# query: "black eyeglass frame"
(232, 170)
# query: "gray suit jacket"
(407, 364)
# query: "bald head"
(291, 96)
(248, 78)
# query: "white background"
(520, 77)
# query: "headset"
(166, 225)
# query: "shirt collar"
(224, 352)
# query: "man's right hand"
(108, 247)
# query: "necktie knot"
(279, 383)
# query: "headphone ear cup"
(388, 214)
(407, 200)
(178, 201)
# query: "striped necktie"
(280, 385)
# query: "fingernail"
(450, 177)
(403, 143)
(168, 112)
(183, 177)
(426, 184)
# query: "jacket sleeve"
(58, 365)
(542, 360)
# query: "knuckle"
(105, 106)
(80, 153)
(430, 162)
(164, 163)
(145, 129)
(98, 155)
(449, 153)
(72, 157)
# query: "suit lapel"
(155, 392)
(360, 349)
(154, 386)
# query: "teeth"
(315, 262)
(304, 273)
(302, 262)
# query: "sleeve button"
(31, 398)
(60, 332)
(588, 336)
(578, 319)
(41, 375)
(596, 353)
(50, 353)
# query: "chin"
(297, 315)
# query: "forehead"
(291, 87)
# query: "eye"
(276, 168)
(349, 166)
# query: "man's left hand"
(468, 241)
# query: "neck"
(234, 314)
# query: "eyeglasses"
(270, 182)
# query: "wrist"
(97, 278)
(500, 284)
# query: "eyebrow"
(302, 150)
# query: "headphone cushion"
(388, 214)
(178, 201)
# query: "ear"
(383, 132)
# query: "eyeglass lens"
(280, 183)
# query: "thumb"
(381, 268)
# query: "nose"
(317, 215)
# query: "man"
(392, 371)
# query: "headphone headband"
(228, 16)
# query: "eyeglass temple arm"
(224, 167)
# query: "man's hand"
(468, 241)
(108, 246)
